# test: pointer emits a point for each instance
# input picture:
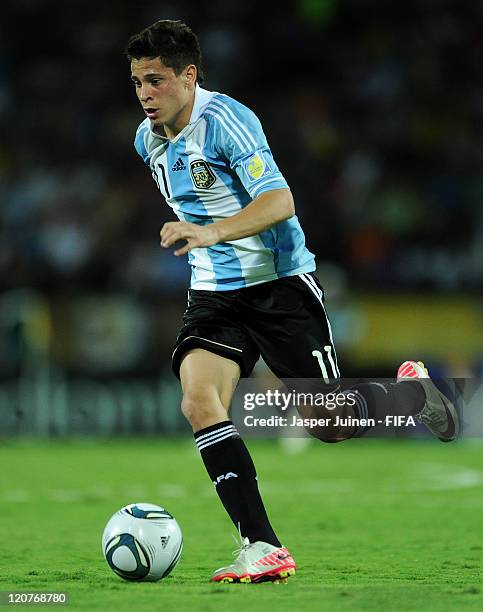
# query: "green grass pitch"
(373, 525)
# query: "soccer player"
(253, 290)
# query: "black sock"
(377, 400)
(232, 471)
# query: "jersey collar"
(202, 98)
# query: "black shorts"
(283, 320)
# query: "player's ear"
(189, 75)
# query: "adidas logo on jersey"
(178, 165)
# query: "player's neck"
(181, 120)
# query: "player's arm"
(242, 143)
(268, 209)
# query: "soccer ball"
(142, 542)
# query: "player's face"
(165, 97)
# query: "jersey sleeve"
(240, 139)
(140, 142)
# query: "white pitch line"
(441, 477)
(173, 490)
(64, 496)
(16, 497)
(309, 487)
(135, 492)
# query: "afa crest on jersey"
(256, 166)
(202, 175)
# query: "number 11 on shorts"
(322, 364)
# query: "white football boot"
(257, 562)
(438, 414)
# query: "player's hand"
(195, 235)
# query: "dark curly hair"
(172, 41)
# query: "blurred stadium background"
(374, 112)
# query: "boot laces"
(243, 544)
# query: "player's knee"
(330, 435)
(328, 425)
(200, 406)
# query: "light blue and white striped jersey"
(212, 169)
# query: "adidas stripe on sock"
(218, 435)
(232, 471)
